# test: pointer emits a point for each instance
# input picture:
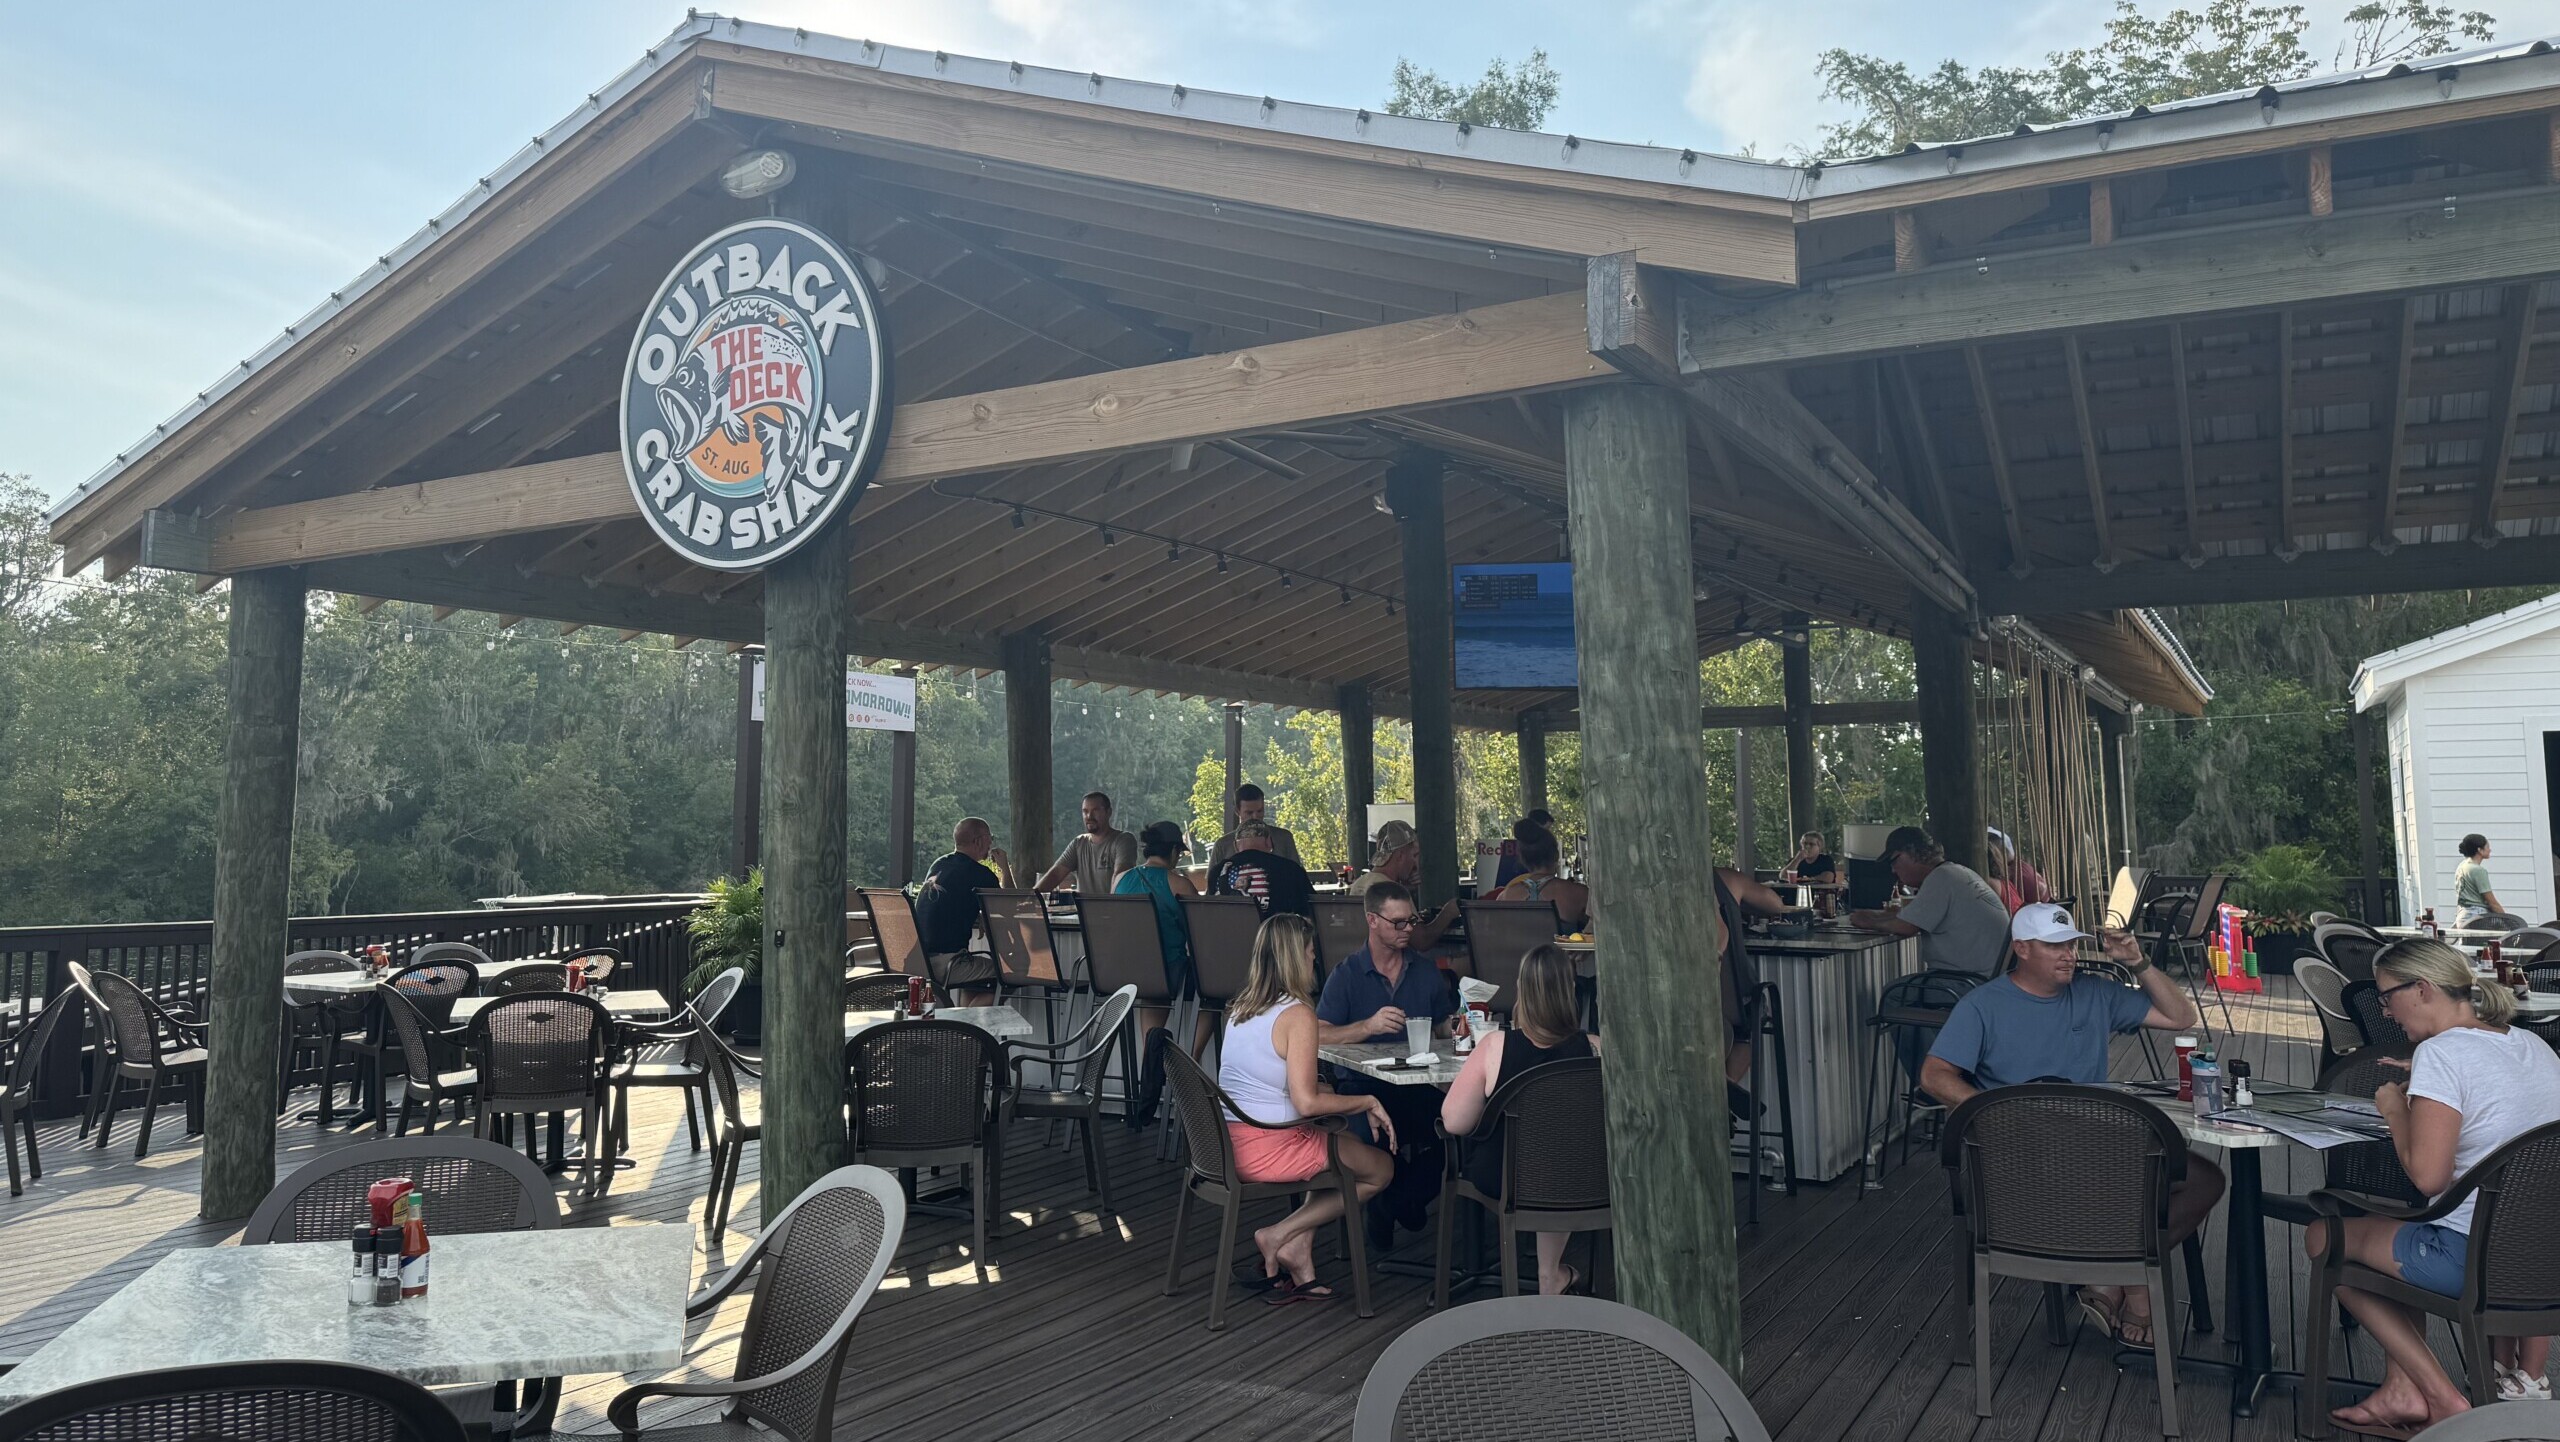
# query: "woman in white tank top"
(1267, 1067)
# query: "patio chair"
(434, 953)
(654, 1055)
(731, 1123)
(146, 1042)
(1908, 1012)
(1122, 947)
(2363, 1001)
(2529, 941)
(2062, 1183)
(2369, 1168)
(433, 987)
(525, 977)
(1342, 927)
(1550, 1369)
(1767, 1025)
(2327, 988)
(1211, 1176)
(2510, 1279)
(814, 1268)
(271, 1401)
(1080, 1102)
(1499, 933)
(875, 991)
(597, 963)
(2506, 1422)
(1555, 1165)
(893, 921)
(540, 1054)
(2122, 975)
(926, 1094)
(21, 1057)
(1223, 930)
(2349, 947)
(317, 1023)
(422, 1077)
(1026, 952)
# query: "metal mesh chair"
(1342, 927)
(542, 1054)
(875, 991)
(422, 1079)
(1499, 933)
(269, 1401)
(317, 1023)
(146, 1042)
(1908, 1012)
(1212, 1176)
(1553, 1131)
(926, 1094)
(1550, 1369)
(2327, 988)
(2348, 947)
(1081, 1102)
(733, 1125)
(2506, 1422)
(2063, 1183)
(597, 963)
(530, 976)
(448, 952)
(2527, 941)
(21, 1056)
(2363, 1001)
(2510, 1279)
(814, 1268)
(657, 1054)
(474, 1186)
(433, 986)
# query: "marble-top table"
(348, 983)
(1001, 1022)
(501, 1306)
(634, 1004)
(1363, 1057)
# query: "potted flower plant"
(728, 930)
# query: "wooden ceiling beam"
(1523, 345)
(2521, 301)
(2180, 386)
(2522, 561)
(2079, 382)
(2286, 550)
(2251, 267)
(1986, 410)
(2395, 427)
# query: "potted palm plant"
(728, 930)
(2281, 886)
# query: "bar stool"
(1915, 1006)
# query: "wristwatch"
(2138, 965)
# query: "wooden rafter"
(2395, 429)
(2193, 553)
(1987, 410)
(2521, 301)
(1914, 417)
(2079, 382)
(2285, 548)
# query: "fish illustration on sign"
(738, 404)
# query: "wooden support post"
(1635, 625)
(2320, 185)
(252, 862)
(807, 604)
(2386, 524)
(2118, 821)
(2285, 549)
(2367, 849)
(1235, 758)
(1795, 657)
(1413, 489)
(1533, 766)
(1027, 746)
(746, 787)
(1359, 771)
(902, 797)
(1746, 841)
(1942, 672)
(2102, 211)
(1910, 247)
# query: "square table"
(501, 1306)
(632, 1004)
(1360, 1057)
(349, 983)
(1001, 1022)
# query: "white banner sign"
(871, 703)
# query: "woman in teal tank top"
(1154, 877)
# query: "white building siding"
(2466, 756)
(2404, 804)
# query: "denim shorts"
(2431, 1256)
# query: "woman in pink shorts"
(1267, 1067)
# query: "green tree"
(1505, 97)
(2139, 59)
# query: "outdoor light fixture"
(1346, 595)
(1285, 582)
(1017, 518)
(1109, 539)
(1222, 563)
(758, 172)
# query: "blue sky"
(179, 180)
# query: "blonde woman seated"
(1267, 1066)
(2475, 1084)
(1544, 1028)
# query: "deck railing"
(169, 959)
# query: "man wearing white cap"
(2044, 1021)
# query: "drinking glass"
(1417, 1035)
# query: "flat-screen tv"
(1513, 626)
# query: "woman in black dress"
(1544, 1028)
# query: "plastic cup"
(1417, 1035)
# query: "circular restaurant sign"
(755, 400)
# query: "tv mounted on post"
(1512, 627)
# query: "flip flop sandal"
(1288, 1293)
(2399, 1432)
(1253, 1281)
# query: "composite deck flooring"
(1854, 1321)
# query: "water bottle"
(2208, 1084)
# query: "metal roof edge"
(2149, 621)
(2386, 670)
(2314, 99)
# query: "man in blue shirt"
(2044, 1021)
(1368, 998)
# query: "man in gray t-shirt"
(1097, 854)
(1958, 917)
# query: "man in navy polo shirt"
(1368, 998)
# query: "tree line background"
(448, 760)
